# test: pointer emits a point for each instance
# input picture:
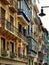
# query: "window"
(24, 32)
(2, 16)
(7, 45)
(32, 62)
(33, 47)
(31, 29)
(12, 23)
(19, 27)
(8, 25)
(19, 4)
(3, 43)
(11, 19)
(24, 51)
(19, 51)
(12, 47)
(2, 13)
(29, 62)
(30, 1)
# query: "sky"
(44, 19)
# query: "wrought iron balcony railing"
(22, 56)
(3, 52)
(12, 55)
(12, 29)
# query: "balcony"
(32, 44)
(41, 51)
(21, 36)
(12, 55)
(40, 55)
(24, 11)
(13, 6)
(22, 56)
(10, 27)
(25, 57)
(32, 53)
(32, 47)
(6, 28)
(6, 2)
(3, 52)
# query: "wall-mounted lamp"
(42, 13)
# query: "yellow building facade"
(20, 31)
(13, 44)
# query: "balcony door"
(32, 62)
(11, 47)
(19, 27)
(2, 43)
(24, 51)
(19, 51)
(28, 61)
(24, 32)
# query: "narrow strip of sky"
(45, 19)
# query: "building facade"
(13, 42)
(44, 46)
(20, 33)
